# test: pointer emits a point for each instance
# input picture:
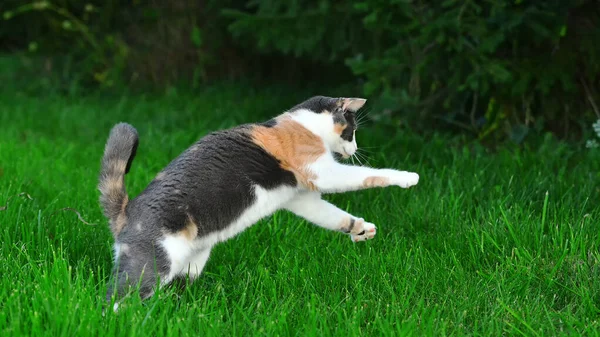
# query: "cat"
(226, 182)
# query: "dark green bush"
(80, 35)
(104, 42)
(483, 66)
(492, 68)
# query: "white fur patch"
(191, 255)
(311, 207)
(179, 249)
(317, 123)
(117, 250)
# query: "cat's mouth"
(340, 156)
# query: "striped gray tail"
(118, 154)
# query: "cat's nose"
(349, 150)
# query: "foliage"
(496, 69)
(480, 65)
(117, 41)
(82, 32)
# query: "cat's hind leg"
(311, 207)
(136, 266)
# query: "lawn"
(489, 242)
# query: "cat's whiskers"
(363, 112)
(370, 149)
(355, 156)
(361, 157)
(364, 157)
(367, 150)
(362, 117)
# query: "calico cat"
(229, 180)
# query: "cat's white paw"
(407, 179)
(363, 231)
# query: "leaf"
(361, 6)
(67, 25)
(563, 31)
(40, 5)
(196, 37)
(499, 72)
(371, 18)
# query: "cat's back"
(211, 183)
(226, 156)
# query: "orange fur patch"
(339, 128)
(190, 231)
(376, 182)
(121, 220)
(114, 182)
(293, 145)
(118, 165)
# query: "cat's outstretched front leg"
(333, 177)
(311, 207)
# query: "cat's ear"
(353, 104)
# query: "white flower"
(596, 127)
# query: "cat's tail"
(118, 154)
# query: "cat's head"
(333, 119)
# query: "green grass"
(487, 243)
